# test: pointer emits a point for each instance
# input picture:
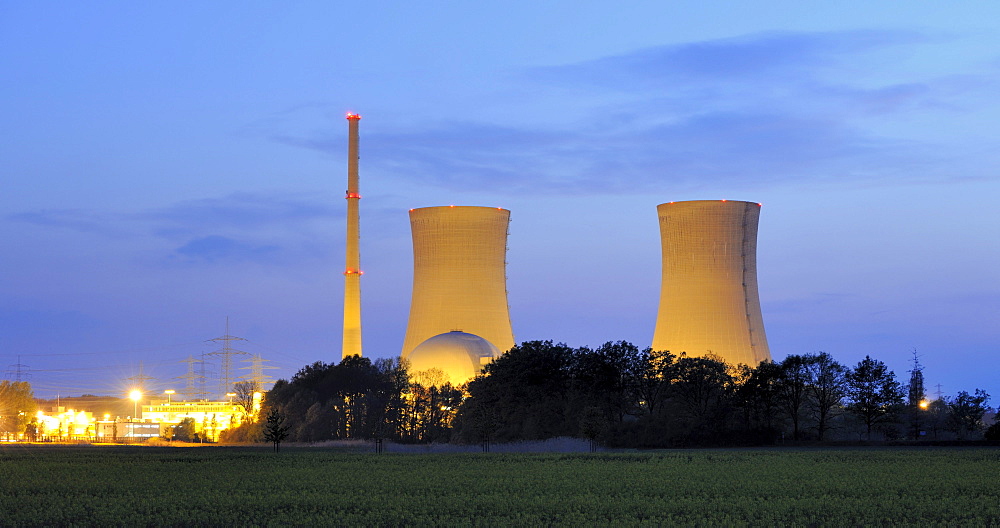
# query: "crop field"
(217, 486)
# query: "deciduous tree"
(245, 391)
(793, 387)
(873, 392)
(17, 406)
(965, 413)
(826, 390)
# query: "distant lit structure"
(709, 302)
(459, 284)
(352, 273)
(209, 418)
(459, 355)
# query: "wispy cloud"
(239, 211)
(771, 57)
(215, 248)
(71, 219)
(242, 227)
(751, 111)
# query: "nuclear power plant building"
(459, 317)
(709, 302)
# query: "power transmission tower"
(203, 376)
(15, 371)
(194, 388)
(257, 375)
(225, 355)
(139, 381)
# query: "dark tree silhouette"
(993, 432)
(758, 394)
(965, 412)
(915, 401)
(827, 389)
(524, 393)
(274, 429)
(793, 386)
(874, 394)
(701, 390)
(650, 377)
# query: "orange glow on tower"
(709, 302)
(352, 273)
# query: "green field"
(219, 486)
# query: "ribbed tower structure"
(352, 274)
(708, 297)
(459, 276)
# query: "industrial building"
(709, 303)
(459, 299)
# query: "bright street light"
(135, 395)
(168, 392)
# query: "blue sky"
(166, 166)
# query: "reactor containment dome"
(709, 304)
(457, 354)
(459, 275)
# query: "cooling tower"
(459, 275)
(708, 296)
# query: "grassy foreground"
(252, 486)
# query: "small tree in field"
(274, 431)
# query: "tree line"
(619, 396)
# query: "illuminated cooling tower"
(459, 276)
(708, 297)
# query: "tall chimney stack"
(352, 274)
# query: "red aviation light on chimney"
(353, 195)
(353, 116)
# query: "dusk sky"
(164, 166)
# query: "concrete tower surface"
(352, 273)
(708, 296)
(459, 275)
